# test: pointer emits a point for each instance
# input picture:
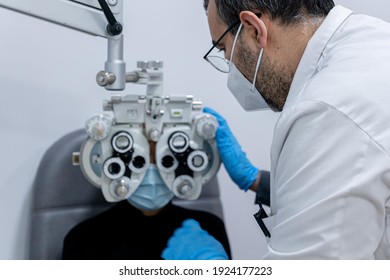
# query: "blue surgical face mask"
(152, 193)
(244, 91)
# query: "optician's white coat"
(330, 178)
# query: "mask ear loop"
(234, 44)
(258, 64)
(257, 70)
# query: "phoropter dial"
(197, 161)
(138, 162)
(122, 142)
(179, 142)
(184, 187)
(119, 189)
(98, 127)
(206, 126)
(114, 168)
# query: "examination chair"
(62, 198)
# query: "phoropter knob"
(152, 64)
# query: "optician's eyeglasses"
(220, 63)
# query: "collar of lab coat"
(308, 65)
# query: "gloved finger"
(221, 120)
(191, 224)
(168, 254)
(191, 242)
(223, 136)
(176, 248)
(188, 228)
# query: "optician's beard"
(273, 81)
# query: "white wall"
(47, 89)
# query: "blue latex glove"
(240, 169)
(191, 242)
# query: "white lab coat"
(330, 173)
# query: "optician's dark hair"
(286, 11)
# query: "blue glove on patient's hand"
(191, 242)
(240, 169)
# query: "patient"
(138, 228)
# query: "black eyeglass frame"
(205, 57)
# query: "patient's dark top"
(123, 232)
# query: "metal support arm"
(85, 16)
(82, 15)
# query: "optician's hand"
(240, 169)
(191, 242)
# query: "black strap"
(263, 197)
(259, 216)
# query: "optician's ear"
(255, 26)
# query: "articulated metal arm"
(82, 15)
(96, 17)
